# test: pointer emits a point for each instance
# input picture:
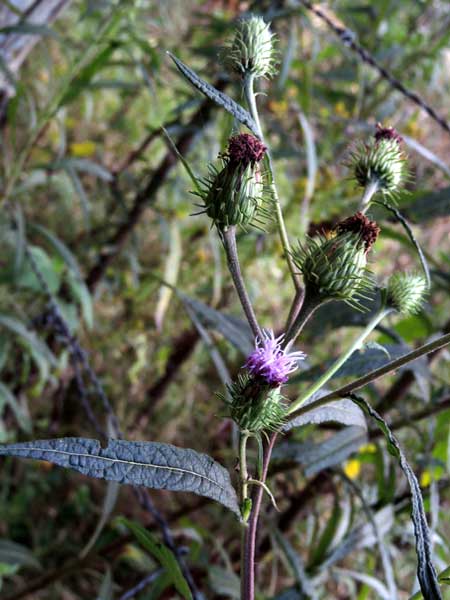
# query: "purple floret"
(270, 362)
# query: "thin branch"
(228, 236)
(376, 374)
(348, 38)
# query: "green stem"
(243, 488)
(243, 471)
(341, 360)
(251, 102)
(369, 191)
(392, 366)
(228, 236)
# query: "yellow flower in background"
(368, 448)
(425, 479)
(82, 149)
(341, 110)
(352, 468)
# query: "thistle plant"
(333, 266)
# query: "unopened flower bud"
(235, 194)
(406, 292)
(334, 265)
(380, 163)
(251, 51)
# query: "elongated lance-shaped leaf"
(426, 572)
(150, 464)
(242, 115)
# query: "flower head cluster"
(270, 362)
(381, 162)
(251, 51)
(234, 195)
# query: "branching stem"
(308, 308)
(228, 236)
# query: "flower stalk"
(379, 316)
(228, 236)
(250, 97)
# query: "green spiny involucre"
(381, 162)
(251, 51)
(234, 195)
(406, 292)
(334, 264)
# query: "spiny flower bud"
(251, 52)
(256, 406)
(406, 292)
(381, 162)
(234, 195)
(334, 265)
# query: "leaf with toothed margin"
(150, 464)
(242, 115)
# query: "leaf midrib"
(127, 462)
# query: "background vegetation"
(94, 193)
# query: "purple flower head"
(270, 362)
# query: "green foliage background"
(92, 186)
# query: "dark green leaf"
(295, 564)
(426, 572)
(234, 330)
(428, 206)
(16, 554)
(150, 464)
(29, 29)
(162, 554)
(338, 411)
(327, 536)
(331, 452)
(215, 95)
